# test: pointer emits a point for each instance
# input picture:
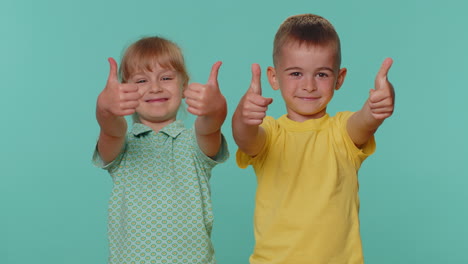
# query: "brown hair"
(144, 53)
(307, 29)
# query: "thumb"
(213, 79)
(383, 72)
(113, 76)
(255, 84)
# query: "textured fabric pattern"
(160, 208)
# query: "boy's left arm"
(207, 102)
(363, 124)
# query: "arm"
(363, 124)
(114, 102)
(209, 105)
(249, 114)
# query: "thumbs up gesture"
(205, 99)
(118, 99)
(253, 106)
(382, 99)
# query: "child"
(160, 208)
(306, 162)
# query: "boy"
(306, 162)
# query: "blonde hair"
(145, 53)
(308, 29)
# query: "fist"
(382, 99)
(119, 99)
(205, 99)
(253, 105)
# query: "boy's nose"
(309, 85)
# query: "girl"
(160, 208)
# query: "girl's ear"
(341, 78)
(272, 78)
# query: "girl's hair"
(144, 53)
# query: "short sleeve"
(358, 153)
(210, 162)
(111, 166)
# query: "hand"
(118, 99)
(253, 105)
(205, 99)
(382, 99)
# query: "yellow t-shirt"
(307, 202)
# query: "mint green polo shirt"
(160, 207)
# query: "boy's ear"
(271, 73)
(341, 78)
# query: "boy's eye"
(141, 81)
(295, 74)
(322, 75)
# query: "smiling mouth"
(308, 98)
(156, 100)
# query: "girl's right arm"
(115, 101)
(248, 134)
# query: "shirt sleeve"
(111, 166)
(358, 154)
(210, 162)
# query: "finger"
(383, 72)
(191, 94)
(134, 96)
(255, 84)
(254, 122)
(113, 75)
(193, 103)
(213, 79)
(260, 100)
(129, 88)
(130, 105)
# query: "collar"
(311, 124)
(172, 130)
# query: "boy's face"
(307, 78)
(162, 94)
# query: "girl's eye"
(166, 78)
(140, 81)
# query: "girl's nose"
(155, 88)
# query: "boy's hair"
(144, 53)
(308, 29)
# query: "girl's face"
(162, 93)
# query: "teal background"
(53, 202)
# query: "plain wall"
(53, 65)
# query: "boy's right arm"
(114, 102)
(248, 134)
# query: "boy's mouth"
(308, 98)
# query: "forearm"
(111, 125)
(209, 124)
(249, 138)
(362, 125)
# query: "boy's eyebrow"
(299, 68)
